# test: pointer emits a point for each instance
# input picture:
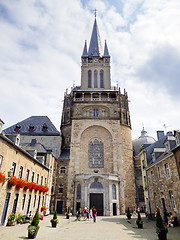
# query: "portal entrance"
(96, 200)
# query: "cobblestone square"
(106, 228)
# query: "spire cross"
(95, 10)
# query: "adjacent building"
(159, 166)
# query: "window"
(37, 180)
(1, 158)
(34, 201)
(27, 174)
(23, 201)
(122, 104)
(41, 180)
(96, 185)
(89, 79)
(32, 178)
(159, 173)
(96, 154)
(95, 79)
(167, 170)
(101, 79)
(52, 190)
(113, 191)
(152, 177)
(45, 181)
(43, 201)
(60, 188)
(95, 112)
(63, 169)
(172, 199)
(20, 172)
(79, 191)
(14, 168)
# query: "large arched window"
(96, 154)
(89, 79)
(95, 79)
(79, 191)
(113, 191)
(101, 79)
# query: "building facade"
(24, 166)
(96, 138)
(160, 175)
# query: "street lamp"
(10, 173)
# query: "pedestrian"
(94, 211)
(87, 214)
(90, 212)
(166, 215)
(171, 220)
(79, 214)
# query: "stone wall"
(161, 185)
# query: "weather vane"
(95, 11)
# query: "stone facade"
(163, 184)
(20, 200)
(96, 130)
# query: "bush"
(55, 217)
(159, 223)
(36, 219)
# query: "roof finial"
(143, 126)
(95, 10)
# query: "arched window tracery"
(89, 79)
(96, 158)
(101, 79)
(95, 79)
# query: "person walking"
(94, 211)
(90, 212)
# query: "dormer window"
(17, 128)
(44, 128)
(31, 128)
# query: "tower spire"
(95, 47)
(85, 54)
(106, 52)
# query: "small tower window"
(101, 79)
(95, 79)
(89, 79)
(63, 170)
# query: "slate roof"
(157, 144)
(65, 155)
(37, 122)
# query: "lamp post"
(10, 173)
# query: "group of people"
(87, 213)
(168, 219)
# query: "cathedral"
(96, 138)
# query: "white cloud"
(42, 41)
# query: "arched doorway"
(96, 198)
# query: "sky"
(42, 42)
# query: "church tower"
(96, 132)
